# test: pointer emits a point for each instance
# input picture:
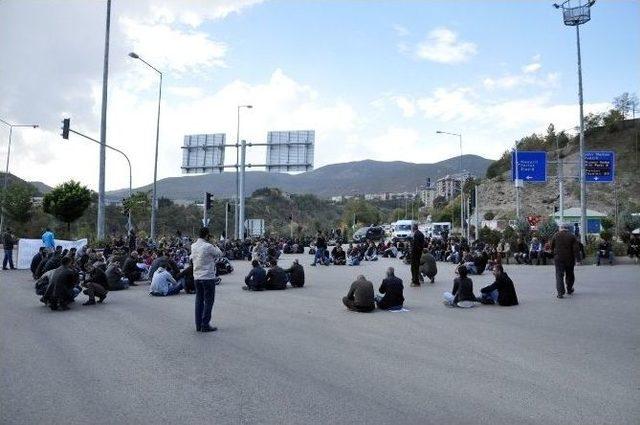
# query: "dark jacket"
(158, 262)
(463, 290)
(257, 278)
(98, 276)
(321, 242)
(53, 262)
(63, 281)
(392, 289)
(7, 240)
(506, 291)
(113, 275)
(565, 247)
(338, 256)
(35, 262)
(296, 275)
(130, 269)
(276, 278)
(417, 244)
(361, 293)
(428, 265)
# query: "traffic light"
(66, 123)
(208, 200)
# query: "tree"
(592, 121)
(67, 202)
(625, 103)
(139, 205)
(547, 229)
(612, 118)
(19, 202)
(364, 212)
(439, 202)
(489, 215)
(562, 139)
(550, 137)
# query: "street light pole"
(103, 129)
(154, 195)
(6, 171)
(461, 183)
(236, 218)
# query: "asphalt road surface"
(298, 357)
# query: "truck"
(402, 230)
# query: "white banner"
(27, 248)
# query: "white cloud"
(400, 30)
(449, 104)
(407, 106)
(170, 48)
(532, 67)
(442, 45)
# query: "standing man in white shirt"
(203, 255)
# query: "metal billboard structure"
(203, 153)
(290, 151)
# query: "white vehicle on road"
(402, 230)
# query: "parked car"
(374, 233)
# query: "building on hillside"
(449, 185)
(572, 216)
(427, 195)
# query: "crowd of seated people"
(361, 295)
(275, 278)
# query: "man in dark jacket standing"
(360, 296)
(392, 289)
(8, 240)
(565, 248)
(296, 274)
(417, 245)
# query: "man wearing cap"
(565, 249)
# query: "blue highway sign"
(599, 166)
(532, 166)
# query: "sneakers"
(89, 302)
(560, 296)
(208, 329)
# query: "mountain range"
(351, 178)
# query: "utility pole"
(476, 211)
(243, 150)
(103, 129)
(226, 220)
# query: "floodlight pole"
(583, 183)
(236, 219)
(476, 212)
(6, 171)
(517, 181)
(576, 16)
(461, 183)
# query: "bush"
(605, 235)
(489, 215)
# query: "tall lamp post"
(6, 171)
(154, 198)
(236, 217)
(461, 183)
(576, 13)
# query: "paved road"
(298, 357)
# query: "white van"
(402, 230)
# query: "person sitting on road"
(338, 256)
(95, 284)
(392, 289)
(633, 249)
(604, 251)
(353, 256)
(185, 277)
(428, 265)
(163, 284)
(370, 253)
(521, 255)
(54, 260)
(462, 293)
(547, 253)
(535, 251)
(390, 251)
(36, 260)
(115, 280)
(503, 250)
(276, 277)
(63, 281)
(256, 279)
(296, 274)
(130, 268)
(360, 297)
(501, 291)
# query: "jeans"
(564, 271)
(120, 285)
(448, 298)
(319, 256)
(493, 295)
(175, 290)
(8, 258)
(600, 255)
(205, 297)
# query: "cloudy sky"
(374, 79)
